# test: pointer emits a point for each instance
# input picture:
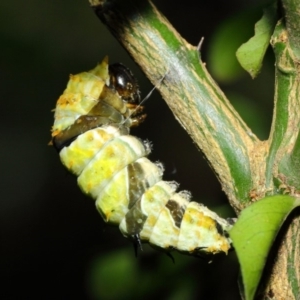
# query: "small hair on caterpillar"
(91, 132)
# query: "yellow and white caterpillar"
(91, 133)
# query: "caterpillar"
(91, 130)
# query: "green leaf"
(254, 233)
(221, 59)
(251, 54)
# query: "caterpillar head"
(107, 94)
(123, 81)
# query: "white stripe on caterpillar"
(91, 132)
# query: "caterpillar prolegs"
(93, 118)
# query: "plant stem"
(195, 99)
(283, 160)
(292, 23)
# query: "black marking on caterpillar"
(91, 133)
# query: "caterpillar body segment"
(91, 132)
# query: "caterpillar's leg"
(137, 244)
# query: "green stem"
(284, 145)
(292, 22)
(195, 99)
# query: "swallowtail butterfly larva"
(93, 118)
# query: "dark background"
(54, 245)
